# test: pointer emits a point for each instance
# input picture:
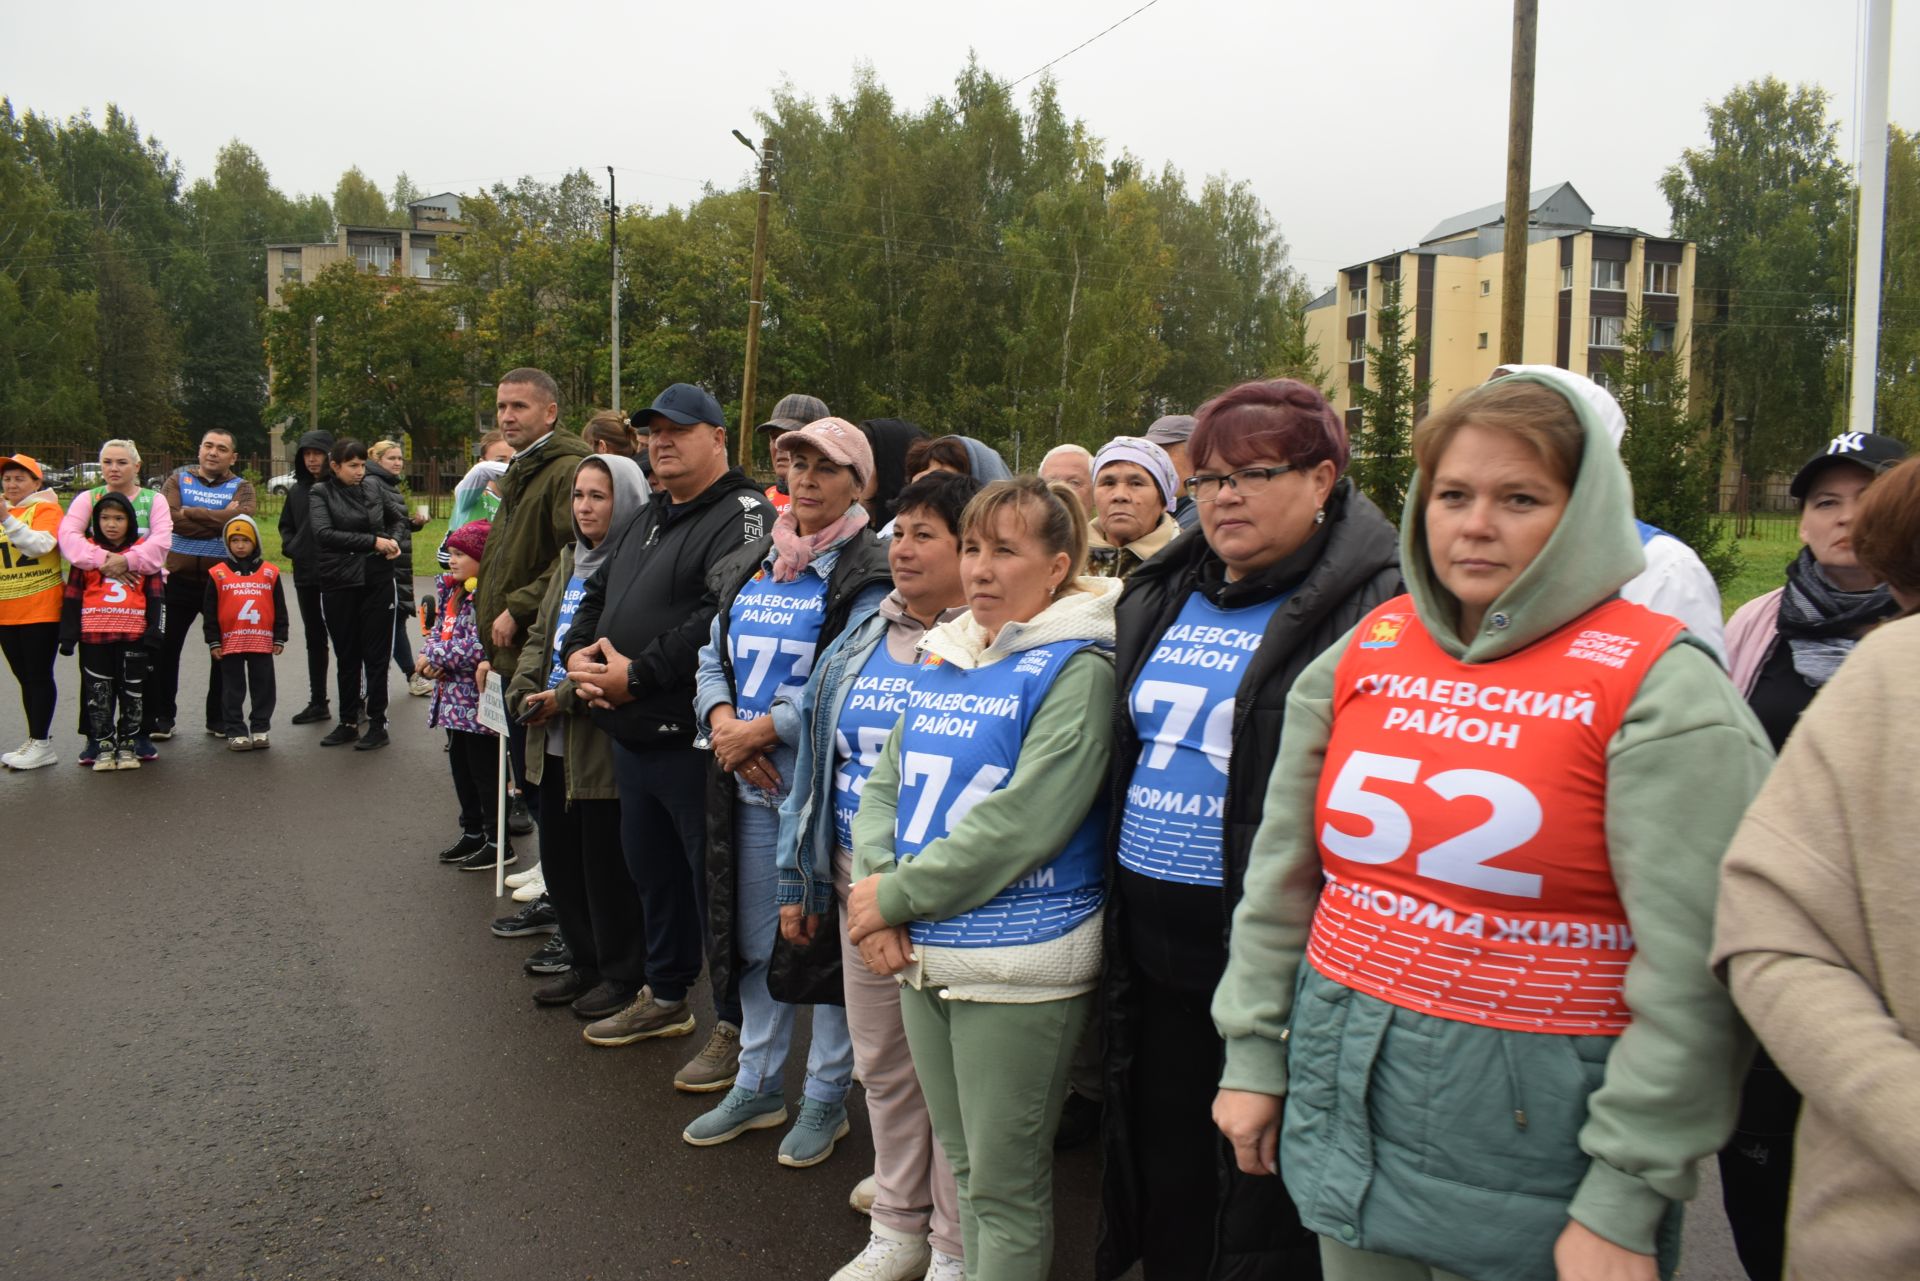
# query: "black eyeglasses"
(1246, 482)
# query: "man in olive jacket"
(535, 519)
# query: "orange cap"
(22, 461)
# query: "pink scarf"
(794, 551)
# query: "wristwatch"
(633, 681)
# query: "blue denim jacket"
(806, 815)
(710, 688)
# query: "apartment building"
(1583, 279)
(412, 250)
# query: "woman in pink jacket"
(120, 472)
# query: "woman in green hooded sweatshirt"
(1493, 837)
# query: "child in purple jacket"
(451, 656)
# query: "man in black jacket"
(633, 651)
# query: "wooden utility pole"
(749, 382)
(1513, 276)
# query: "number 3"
(1459, 860)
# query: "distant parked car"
(58, 477)
(88, 476)
(281, 484)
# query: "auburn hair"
(1528, 411)
(1886, 528)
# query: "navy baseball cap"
(1861, 448)
(685, 404)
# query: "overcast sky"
(1360, 123)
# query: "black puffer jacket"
(403, 567)
(655, 599)
(346, 520)
(296, 530)
(862, 564)
(1348, 567)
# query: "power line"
(1083, 44)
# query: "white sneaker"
(6, 758)
(944, 1267)
(37, 754)
(521, 878)
(889, 1256)
(419, 686)
(531, 890)
(864, 1194)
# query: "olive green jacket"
(534, 522)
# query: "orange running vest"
(245, 608)
(1461, 818)
(108, 607)
(31, 586)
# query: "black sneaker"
(483, 859)
(537, 917)
(161, 733)
(311, 714)
(340, 735)
(564, 989)
(554, 957)
(373, 740)
(607, 997)
(463, 848)
(519, 822)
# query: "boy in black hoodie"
(245, 616)
(115, 625)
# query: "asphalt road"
(253, 1029)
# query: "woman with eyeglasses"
(1209, 640)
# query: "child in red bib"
(114, 622)
(245, 615)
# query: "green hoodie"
(1681, 770)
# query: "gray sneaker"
(740, 1111)
(715, 1066)
(643, 1020)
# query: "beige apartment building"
(1583, 278)
(413, 250)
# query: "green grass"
(1764, 559)
(426, 539)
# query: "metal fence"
(1759, 505)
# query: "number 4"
(1459, 860)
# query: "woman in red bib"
(1492, 837)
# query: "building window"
(1356, 349)
(1609, 273)
(1486, 287)
(1482, 343)
(289, 268)
(1663, 336)
(1357, 304)
(1605, 379)
(1566, 276)
(374, 257)
(423, 262)
(1606, 331)
(1663, 277)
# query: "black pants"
(360, 620)
(474, 761)
(1186, 1191)
(588, 882)
(313, 625)
(30, 649)
(663, 834)
(240, 673)
(1756, 1169)
(113, 673)
(403, 610)
(186, 596)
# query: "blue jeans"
(766, 1026)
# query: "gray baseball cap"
(794, 412)
(1171, 429)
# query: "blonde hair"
(1049, 510)
(380, 447)
(132, 449)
